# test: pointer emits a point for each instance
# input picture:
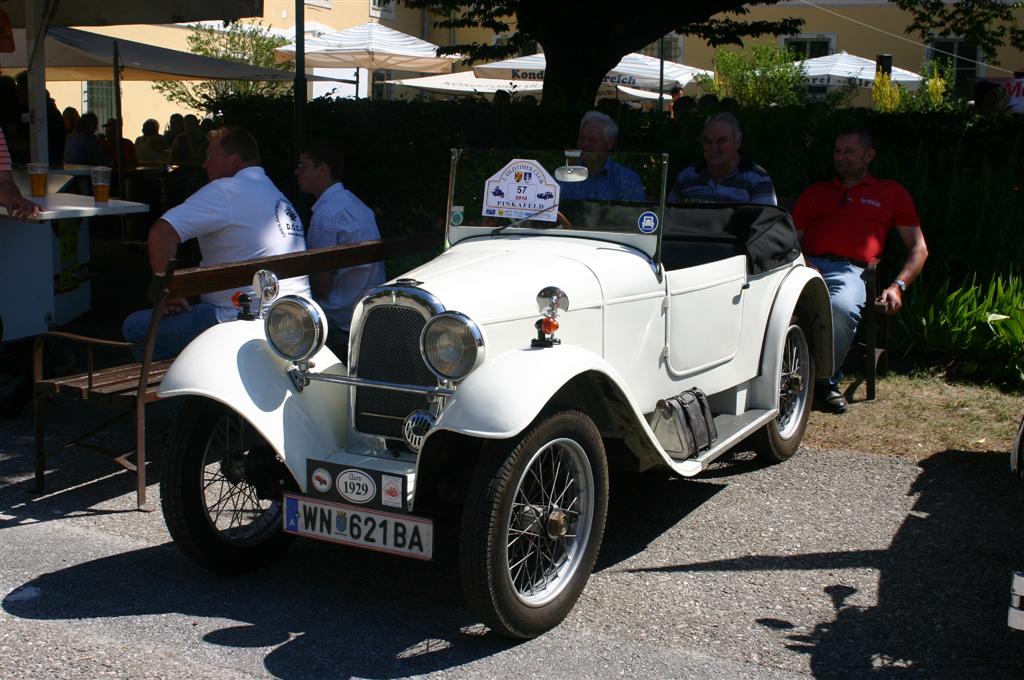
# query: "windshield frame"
(647, 243)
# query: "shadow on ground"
(943, 583)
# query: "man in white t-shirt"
(238, 215)
(338, 217)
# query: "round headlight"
(296, 328)
(452, 345)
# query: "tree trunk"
(572, 77)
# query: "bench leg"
(38, 413)
(140, 460)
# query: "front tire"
(778, 440)
(220, 490)
(532, 525)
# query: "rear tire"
(778, 440)
(532, 525)
(220, 490)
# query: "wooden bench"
(129, 388)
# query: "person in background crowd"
(150, 146)
(175, 126)
(82, 147)
(606, 179)
(676, 92)
(10, 196)
(843, 224)
(188, 147)
(989, 98)
(70, 116)
(725, 174)
(338, 217)
(239, 215)
(683, 106)
(707, 102)
(127, 148)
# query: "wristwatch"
(901, 284)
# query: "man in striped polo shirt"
(725, 175)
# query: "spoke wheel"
(532, 525)
(220, 490)
(780, 438)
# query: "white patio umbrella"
(371, 46)
(465, 82)
(840, 68)
(634, 70)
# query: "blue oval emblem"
(647, 223)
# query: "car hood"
(497, 279)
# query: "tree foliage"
(249, 43)
(989, 24)
(759, 76)
(584, 40)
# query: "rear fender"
(803, 294)
(233, 364)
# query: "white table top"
(59, 206)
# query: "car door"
(705, 312)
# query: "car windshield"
(617, 196)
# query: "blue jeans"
(176, 330)
(847, 294)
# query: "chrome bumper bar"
(302, 378)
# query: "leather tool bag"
(683, 424)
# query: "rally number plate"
(388, 532)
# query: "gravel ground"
(836, 564)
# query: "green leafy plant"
(936, 92)
(248, 43)
(976, 330)
(762, 75)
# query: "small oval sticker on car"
(321, 480)
(356, 487)
(647, 223)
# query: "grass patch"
(918, 416)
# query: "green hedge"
(966, 174)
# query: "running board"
(731, 430)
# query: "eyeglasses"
(303, 166)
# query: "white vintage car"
(562, 330)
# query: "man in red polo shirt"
(843, 224)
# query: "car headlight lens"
(452, 345)
(296, 328)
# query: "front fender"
(502, 397)
(232, 363)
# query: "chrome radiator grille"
(389, 350)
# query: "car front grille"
(389, 351)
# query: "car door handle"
(745, 286)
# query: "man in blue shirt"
(724, 176)
(606, 180)
(339, 217)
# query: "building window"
(326, 4)
(958, 50)
(98, 97)
(382, 9)
(528, 48)
(673, 48)
(809, 46)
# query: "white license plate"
(383, 531)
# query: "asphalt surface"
(836, 564)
